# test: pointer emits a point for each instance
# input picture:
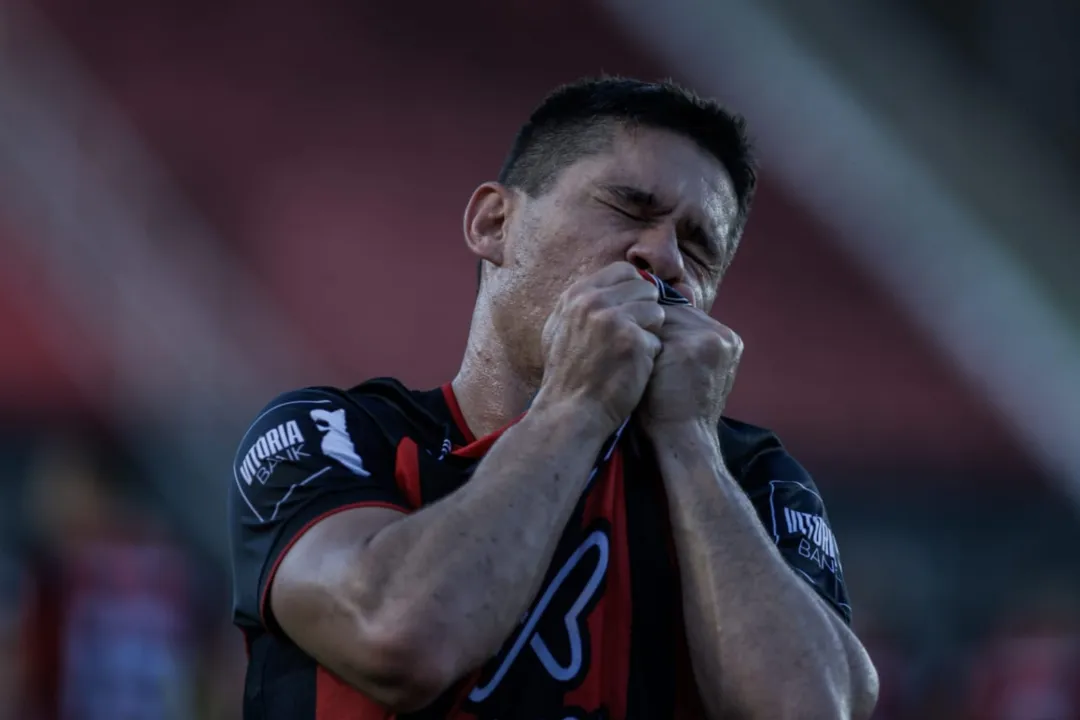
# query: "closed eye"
(625, 213)
(706, 248)
(705, 260)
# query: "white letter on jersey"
(573, 622)
(336, 442)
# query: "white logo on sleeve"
(283, 443)
(818, 544)
(816, 540)
(336, 442)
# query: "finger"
(737, 347)
(686, 316)
(653, 344)
(684, 319)
(730, 337)
(633, 289)
(646, 314)
(612, 296)
(614, 274)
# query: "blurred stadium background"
(203, 203)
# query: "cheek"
(707, 298)
(588, 252)
(554, 257)
(560, 250)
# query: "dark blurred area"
(114, 614)
(206, 203)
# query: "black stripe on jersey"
(654, 588)
(292, 692)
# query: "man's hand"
(694, 372)
(600, 343)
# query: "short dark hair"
(579, 119)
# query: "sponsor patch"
(817, 542)
(793, 517)
(278, 444)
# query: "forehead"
(677, 170)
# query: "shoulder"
(307, 454)
(323, 432)
(755, 455)
(287, 428)
(316, 401)
(378, 411)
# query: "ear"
(487, 221)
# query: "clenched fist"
(599, 344)
(694, 372)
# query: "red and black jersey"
(603, 638)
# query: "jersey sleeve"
(308, 455)
(791, 509)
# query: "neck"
(488, 387)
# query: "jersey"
(115, 626)
(604, 636)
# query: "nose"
(657, 250)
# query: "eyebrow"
(641, 199)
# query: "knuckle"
(625, 340)
(591, 301)
(728, 336)
(712, 348)
(709, 349)
(733, 343)
(606, 317)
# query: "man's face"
(655, 199)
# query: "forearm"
(762, 644)
(466, 568)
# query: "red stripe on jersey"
(455, 412)
(476, 448)
(337, 700)
(407, 471)
(618, 591)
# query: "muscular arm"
(403, 606)
(762, 643)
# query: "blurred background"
(204, 203)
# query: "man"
(117, 618)
(510, 545)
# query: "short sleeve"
(792, 511)
(308, 455)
